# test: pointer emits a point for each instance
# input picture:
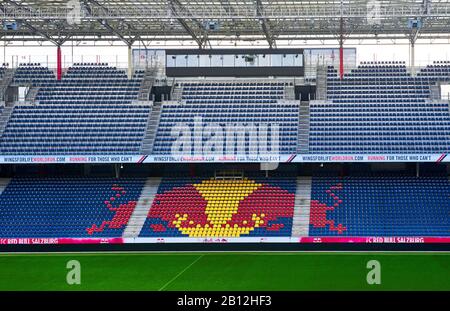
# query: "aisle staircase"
(5, 82)
(321, 83)
(152, 127)
(147, 84)
(137, 219)
(32, 93)
(303, 128)
(3, 184)
(177, 92)
(300, 226)
(4, 118)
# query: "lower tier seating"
(67, 207)
(52, 207)
(208, 208)
(380, 206)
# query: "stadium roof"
(271, 20)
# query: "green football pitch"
(226, 271)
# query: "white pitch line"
(184, 270)
(227, 253)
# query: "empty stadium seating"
(416, 127)
(89, 111)
(75, 129)
(244, 108)
(198, 207)
(438, 71)
(33, 74)
(379, 108)
(86, 84)
(67, 207)
(380, 206)
(229, 92)
(377, 83)
(208, 208)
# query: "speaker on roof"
(211, 25)
(74, 12)
(11, 26)
(250, 58)
(414, 23)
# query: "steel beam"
(244, 12)
(175, 5)
(28, 24)
(105, 23)
(264, 24)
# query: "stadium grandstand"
(224, 121)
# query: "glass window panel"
(263, 60)
(181, 61)
(171, 60)
(240, 61)
(288, 60)
(228, 60)
(205, 60)
(276, 60)
(217, 61)
(192, 61)
(160, 58)
(298, 60)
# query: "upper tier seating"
(377, 83)
(208, 208)
(88, 112)
(91, 85)
(379, 108)
(422, 127)
(67, 207)
(33, 74)
(231, 92)
(438, 71)
(380, 206)
(229, 105)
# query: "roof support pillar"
(341, 59)
(412, 58)
(130, 62)
(341, 48)
(58, 62)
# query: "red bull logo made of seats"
(320, 210)
(222, 208)
(122, 211)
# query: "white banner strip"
(293, 158)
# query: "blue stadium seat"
(382, 109)
(229, 104)
(67, 207)
(89, 111)
(380, 206)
